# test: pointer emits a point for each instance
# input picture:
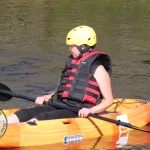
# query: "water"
(33, 50)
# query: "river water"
(33, 50)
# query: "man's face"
(74, 51)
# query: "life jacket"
(77, 83)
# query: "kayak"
(71, 130)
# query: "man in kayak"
(84, 82)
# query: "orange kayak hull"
(133, 111)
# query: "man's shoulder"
(94, 66)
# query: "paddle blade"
(4, 93)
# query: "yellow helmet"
(81, 35)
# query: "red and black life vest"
(77, 83)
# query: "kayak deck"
(133, 111)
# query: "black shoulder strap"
(106, 62)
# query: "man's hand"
(39, 100)
(84, 112)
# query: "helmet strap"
(82, 51)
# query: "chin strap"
(82, 51)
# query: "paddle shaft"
(17, 95)
(54, 104)
(117, 122)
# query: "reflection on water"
(33, 50)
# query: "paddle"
(6, 94)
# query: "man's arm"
(103, 80)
